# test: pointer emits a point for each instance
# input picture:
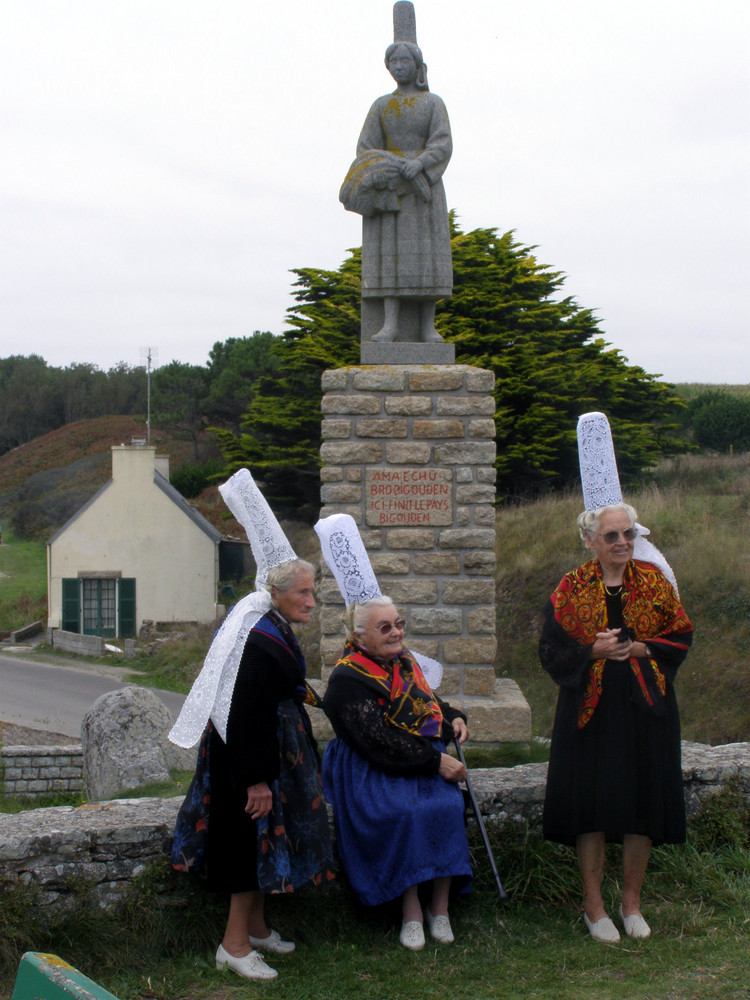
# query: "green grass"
(23, 582)
(177, 785)
(160, 943)
(22, 803)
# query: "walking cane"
(501, 893)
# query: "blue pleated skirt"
(394, 832)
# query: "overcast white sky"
(166, 163)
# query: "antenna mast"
(149, 355)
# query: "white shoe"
(440, 927)
(602, 930)
(251, 966)
(412, 935)
(273, 944)
(635, 926)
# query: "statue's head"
(399, 49)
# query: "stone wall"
(41, 770)
(110, 843)
(74, 642)
(106, 845)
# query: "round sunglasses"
(610, 537)
(385, 628)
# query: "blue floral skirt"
(294, 844)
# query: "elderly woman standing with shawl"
(267, 820)
(613, 638)
(394, 790)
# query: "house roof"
(195, 516)
(174, 495)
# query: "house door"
(100, 608)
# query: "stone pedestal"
(408, 451)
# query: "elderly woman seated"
(397, 805)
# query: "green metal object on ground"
(47, 977)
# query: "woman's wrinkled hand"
(608, 646)
(460, 731)
(451, 769)
(259, 800)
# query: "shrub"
(193, 477)
(721, 421)
(724, 821)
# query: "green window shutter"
(126, 602)
(71, 606)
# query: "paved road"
(55, 697)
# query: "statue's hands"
(410, 169)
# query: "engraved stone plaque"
(408, 496)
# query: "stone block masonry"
(108, 844)
(41, 770)
(408, 451)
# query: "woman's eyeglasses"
(610, 537)
(385, 628)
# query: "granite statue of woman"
(396, 184)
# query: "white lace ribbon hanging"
(211, 693)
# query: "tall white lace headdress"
(211, 693)
(347, 558)
(601, 483)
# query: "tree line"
(260, 395)
(36, 398)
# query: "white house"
(137, 551)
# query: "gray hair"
(285, 575)
(357, 615)
(588, 522)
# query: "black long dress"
(268, 739)
(621, 771)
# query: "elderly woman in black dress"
(267, 829)
(613, 638)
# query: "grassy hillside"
(44, 482)
(697, 508)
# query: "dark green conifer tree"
(506, 313)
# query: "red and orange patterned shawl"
(650, 608)
(403, 690)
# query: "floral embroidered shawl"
(651, 612)
(401, 687)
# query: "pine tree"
(550, 360)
